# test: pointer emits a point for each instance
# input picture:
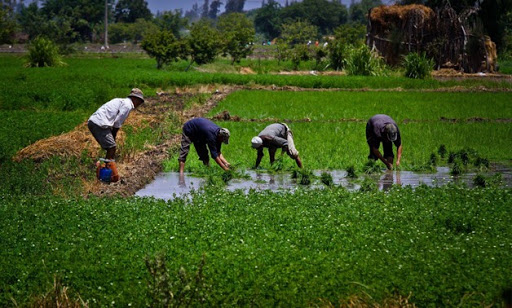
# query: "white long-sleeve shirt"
(113, 113)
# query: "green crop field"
(336, 124)
(438, 247)
(443, 246)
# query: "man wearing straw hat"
(106, 121)
(382, 128)
(275, 136)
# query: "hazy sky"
(167, 5)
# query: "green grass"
(21, 128)
(342, 143)
(325, 106)
(505, 66)
(339, 145)
(86, 83)
(445, 246)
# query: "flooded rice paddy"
(166, 185)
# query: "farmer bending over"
(106, 121)
(382, 128)
(203, 132)
(274, 136)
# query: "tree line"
(82, 21)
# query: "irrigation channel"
(166, 185)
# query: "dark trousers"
(388, 150)
(201, 149)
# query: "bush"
(162, 46)
(362, 61)
(43, 52)
(417, 66)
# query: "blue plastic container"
(105, 174)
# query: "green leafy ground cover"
(445, 246)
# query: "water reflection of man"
(382, 128)
(386, 182)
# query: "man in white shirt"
(106, 121)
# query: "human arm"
(399, 155)
(219, 162)
(224, 160)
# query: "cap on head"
(391, 132)
(224, 133)
(136, 92)
(256, 142)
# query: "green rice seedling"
(278, 164)
(451, 157)
(457, 167)
(481, 162)
(368, 185)
(442, 151)
(372, 167)
(227, 176)
(304, 176)
(433, 160)
(480, 180)
(327, 179)
(495, 180)
(351, 171)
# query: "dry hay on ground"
(247, 71)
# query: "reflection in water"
(386, 181)
(169, 185)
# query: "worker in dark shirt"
(382, 128)
(275, 136)
(203, 133)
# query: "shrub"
(43, 52)
(237, 32)
(344, 36)
(204, 43)
(362, 61)
(162, 46)
(417, 66)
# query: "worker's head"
(256, 142)
(224, 135)
(391, 132)
(137, 97)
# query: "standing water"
(167, 186)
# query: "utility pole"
(106, 24)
